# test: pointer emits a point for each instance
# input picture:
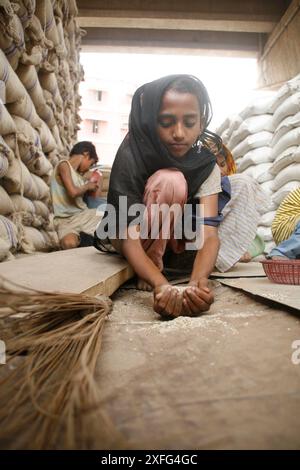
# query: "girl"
(162, 160)
(228, 168)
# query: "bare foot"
(246, 258)
(143, 285)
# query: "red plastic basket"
(282, 271)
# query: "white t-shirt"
(212, 185)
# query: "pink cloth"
(167, 186)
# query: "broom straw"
(49, 397)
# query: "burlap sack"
(43, 190)
(8, 233)
(25, 11)
(4, 165)
(25, 213)
(14, 88)
(6, 206)
(47, 140)
(7, 146)
(44, 13)
(18, 180)
(4, 250)
(34, 56)
(38, 240)
(25, 109)
(11, 32)
(35, 35)
(7, 125)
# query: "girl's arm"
(199, 297)
(167, 300)
(72, 190)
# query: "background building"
(104, 111)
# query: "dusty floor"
(224, 380)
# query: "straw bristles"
(48, 394)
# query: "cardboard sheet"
(283, 294)
(252, 269)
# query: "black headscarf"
(142, 153)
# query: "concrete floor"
(221, 381)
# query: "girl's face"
(178, 122)
(221, 161)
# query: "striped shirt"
(287, 217)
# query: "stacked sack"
(106, 171)
(265, 141)
(39, 102)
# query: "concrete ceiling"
(231, 27)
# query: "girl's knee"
(171, 184)
(69, 241)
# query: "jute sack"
(6, 205)
(38, 240)
(4, 164)
(26, 11)
(72, 8)
(2, 92)
(47, 140)
(71, 31)
(5, 149)
(29, 77)
(35, 35)
(43, 190)
(25, 213)
(28, 141)
(19, 180)
(48, 82)
(7, 125)
(59, 144)
(42, 210)
(33, 56)
(44, 12)
(14, 89)
(25, 109)
(8, 232)
(43, 167)
(4, 250)
(22, 204)
(11, 32)
(54, 157)
(24, 127)
(62, 47)
(6, 156)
